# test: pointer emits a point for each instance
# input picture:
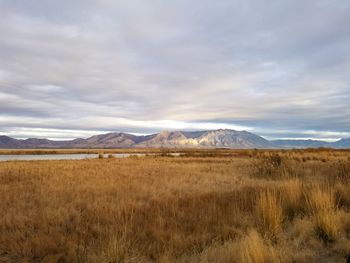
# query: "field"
(208, 206)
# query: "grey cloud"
(109, 65)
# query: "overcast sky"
(73, 68)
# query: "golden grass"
(321, 204)
(253, 249)
(202, 207)
(292, 194)
(269, 213)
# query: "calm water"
(32, 157)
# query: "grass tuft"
(254, 249)
(321, 205)
(269, 213)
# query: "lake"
(38, 157)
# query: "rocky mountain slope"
(222, 138)
(208, 139)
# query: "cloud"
(142, 66)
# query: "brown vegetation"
(209, 206)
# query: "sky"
(75, 68)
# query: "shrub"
(270, 166)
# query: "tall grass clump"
(321, 205)
(120, 250)
(254, 249)
(292, 194)
(269, 213)
(342, 195)
(341, 172)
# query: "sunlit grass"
(197, 208)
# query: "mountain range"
(222, 138)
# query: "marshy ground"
(207, 206)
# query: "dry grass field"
(222, 206)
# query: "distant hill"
(207, 139)
(342, 143)
(109, 140)
(223, 138)
(300, 143)
(8, 142)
